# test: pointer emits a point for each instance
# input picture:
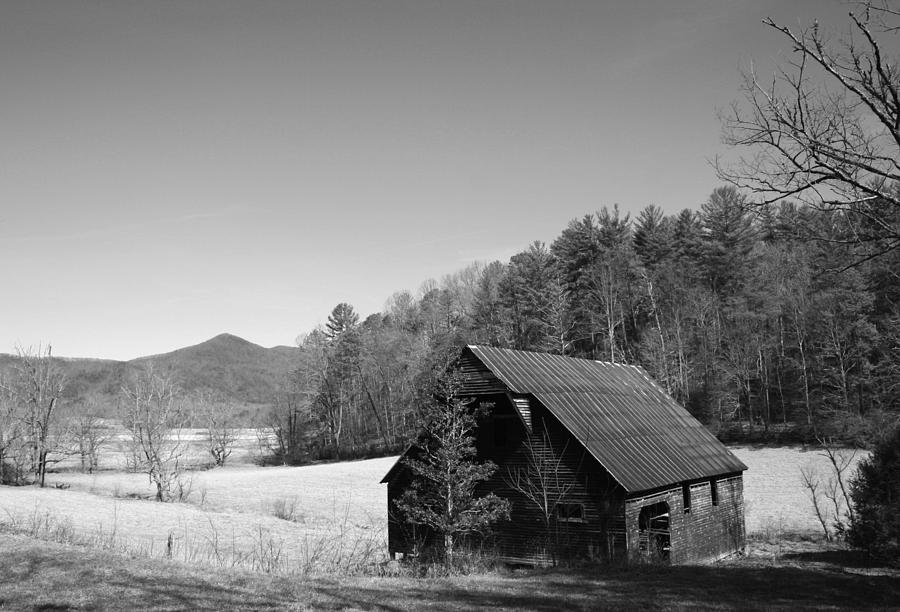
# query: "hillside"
(240, 370)
(229, 364)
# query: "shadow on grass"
(840, 558)
(39, 576)
(697, 588)
(725, 587)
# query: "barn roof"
(637, 431)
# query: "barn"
(597, 462)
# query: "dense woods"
(764, 321)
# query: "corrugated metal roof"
(639, 433)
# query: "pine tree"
(445, 470)
(875, 526)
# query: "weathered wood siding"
(599, 534)
(706, 532)
(477, 380)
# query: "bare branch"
(826, 129)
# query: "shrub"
(875, 526)
(286, 509)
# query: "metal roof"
(637, 431)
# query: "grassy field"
(775, 499)
(294, 538)
(312, 519)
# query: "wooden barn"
(597, 461)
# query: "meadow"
(314, 538)
(309, 520)
(315, 519)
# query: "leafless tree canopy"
(825, 129)
(153, 415)
(28, 413)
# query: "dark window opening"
(714, 491)
(501, 431)
(686, 494)
(572, 513)
(653, 524)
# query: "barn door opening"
(653, 523)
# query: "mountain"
(241, 371)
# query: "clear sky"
(171, 170)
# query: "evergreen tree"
(875, 525)
(728, 238)
(445, 471)
(527, 295)
(652, 237)
(342, 318)
(577, 250)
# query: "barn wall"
(600, 534)
(706, 532)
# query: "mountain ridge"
(236, 369)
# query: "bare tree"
(283, 435)
(36, 385)
(825, 130)
(812, 483)
(833, 487)
(842, 464)
(88, 434)
(290, 420)
(154, 416)
(13, 442)
(544, 480)
(217, 416)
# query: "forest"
(770, 311)
(768, 322)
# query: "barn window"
(571, 513)
(686, 495)
(714, 491)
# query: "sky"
(172, 170)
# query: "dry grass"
(776, 501)
(47, 576)
(328, 521)
(337, 523)
(311, 519)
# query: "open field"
(776, 501)
(312, 519)
(115, 451)
(332, 527)
(333, 515)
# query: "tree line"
(763, 320)
(40, 426)
(772, 310)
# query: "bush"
(875, 523)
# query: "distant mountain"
(240, 370)
(237, 368)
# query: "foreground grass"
(37, 575)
